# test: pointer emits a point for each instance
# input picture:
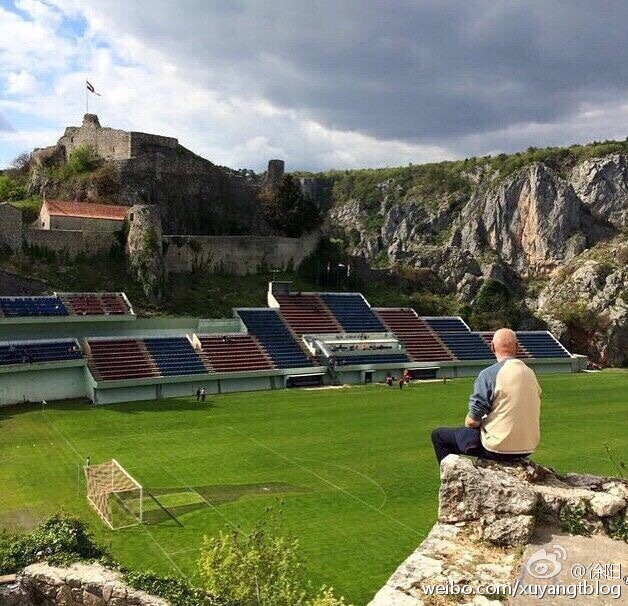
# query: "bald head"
(505, 343)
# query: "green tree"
(286, 209)
(10, 190)
(255, 569)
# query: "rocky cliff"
(535, 226)
(506, 532)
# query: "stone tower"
(275, 172)
(144, 248)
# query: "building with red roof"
(81, 216)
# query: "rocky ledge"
(78, 585)
(494, 519)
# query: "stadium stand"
(421, 344)
(307, 314)
(175, 356)
(93, 304)
(30, 352)
(32, 306)
(446, 324)
(112, 359)
(352, 312)
(235, 353)
(275, 338)
(372, 359)
(466, 345)
(541, 344)
(521, 351)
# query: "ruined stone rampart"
(79, 585)
(70, 243)
(238, 255)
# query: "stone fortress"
(202, 214)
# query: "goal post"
(115, 495)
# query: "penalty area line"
(323, 479)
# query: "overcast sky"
(321, 84)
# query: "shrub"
(83, 159)
(11, 190)
(172, 589)
(494, 307)
(253, 569)
(59, 540)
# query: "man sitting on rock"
(504, 410)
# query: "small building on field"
(81, 216)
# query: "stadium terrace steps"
(522, 353)
(95, 304)
(175, 356)
(542, 344)
(466, 345)
(307, 314)
(30, 352)
(275, 337)
(113, 359)
(235, 353)
(352, 312)
(446, 324)
(16, 307)
(421, 343)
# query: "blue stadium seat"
(541, 345)
(353, 313)
(466, 345)
(447, 324)
(175, 356)
(274, 337)
(40, 351)
(32, 306)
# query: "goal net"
(114, 494)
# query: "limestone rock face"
(488, 511)
(468, 492)
(533, 221)
(602, 184)
(597, 282)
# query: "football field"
(351, 470)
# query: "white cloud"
(21, 83)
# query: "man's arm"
(480, 400)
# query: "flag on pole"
(90, 88)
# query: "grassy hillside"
(352, 470)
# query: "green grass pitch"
(353, 468)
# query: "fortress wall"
(238, 255)
(142, 142)
(110, 143)
(10, 227)
(72, 243)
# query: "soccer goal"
(115, 495)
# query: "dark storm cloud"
(419, 71)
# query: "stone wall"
(238, 255)
(78, 585)
(10, 227)
(495, 519)
(71, 243)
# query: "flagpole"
(86, 101)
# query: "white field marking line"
(211, 505)
(304, 468)
(141, 525)
(357, 473)
(49, 422)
